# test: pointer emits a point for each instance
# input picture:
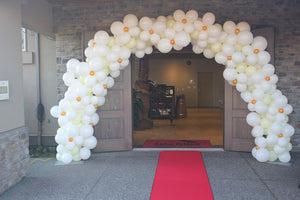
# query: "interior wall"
(171, 70)
(12, 110)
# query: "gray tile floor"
(129, 175)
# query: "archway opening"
(186, 95)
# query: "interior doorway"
(191, 76)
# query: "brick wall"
(14, 157)
(72, 20)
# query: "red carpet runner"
(181, 175)
(177, 144)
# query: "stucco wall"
(72, 20)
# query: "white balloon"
(262, 155)
(283, 142)
(278, 149)
(164, 45)
(276, 128)
(257, 131)
(101, 37)
(68, 78)
(260, 43)
(55, 111)
(245, 38)
(258, 94)
(272, 139)
(284, 157)
(90, 142)
(238, 57)
(115, 74)
(229, 74)
(268, 69)
(253, 119)
(208, 53)
(96, 63)
(220, 58)
(191, 15)
(288, 130)
(182, 39)
(78, 140)
(228, 49)
(229, 27)
(178, 15)
(116, 27)
(264, 57)
(66, 158)
(71, 65)
(260, 107)
(261, 142)
(100, 75)
(85, 153)
(242, 78)
(83, 69)
(145, 23)
(243, 26)
(208, 18)
(86, 131)
(89, 109)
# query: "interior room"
(182, 95)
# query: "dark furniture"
(162, 102)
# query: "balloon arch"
(246, 64)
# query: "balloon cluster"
(233, 45)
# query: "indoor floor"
(200, 124)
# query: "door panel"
(237, 132)
(114, 131)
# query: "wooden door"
(114, 130)
(205, 89)
(237, 136)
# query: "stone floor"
(129, 175)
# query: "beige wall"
(12, 110)
(175, 71)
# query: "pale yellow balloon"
(76, 157)
(267, 99)
(219, 26)
(289, 146)
(241, 67)
(273, 156)
(111, 42)
(81, 79)
(131, 44)
(194, 35)
(265, 123)
(250, 70)
(238, 47)
(216, 47)
(77, 120)
(75, 150)
(170, 23)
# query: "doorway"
(199, 81)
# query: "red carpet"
(181, 175)
(177, 144)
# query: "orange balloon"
(126, 29)
(94, 43)
(257, 147)
(78, 98)
(92, 73)
(184, 21)
(172, 41)
(281, 110)
(229, 57)
(267, 78)
(105, 86)
(234, 81)
(253, 101)
(91, 124)
(120, 60)
(237, 31)
(256, 51)
(204, 28)
(71, 139)
(151, 31)
(280, 135)
(63, 113)
(96, 106)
